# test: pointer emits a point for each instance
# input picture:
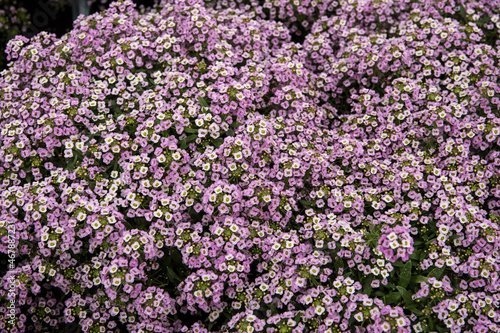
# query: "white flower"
(437, 284)
(161, 158)
(387, 198)
(485, 273)
(405, 243)
(443, 229)
(176, 156)
(418, 327)
(319, 310)
(452, 306)
(401, 322)
(386, 326)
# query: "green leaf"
(462, 11)
(415, 310)
(436, 272)
(315, 281)
(418, 243)
(235, 124)
(273, 307)
(415, 255)
(171, 275)
(484, 20)
(406, 295)
(441, 329)
(392, 298)
(194, 215)
(71, 165)
(191, 138)
(398, 263)
(203, 102)
(72, 328)
(367, 287)
(418, 279)
(405, 276)
(218, 143)
(430, 241)
(378, 293)
(190, 130)
(306, 204)
(339, 263)
(176, 256)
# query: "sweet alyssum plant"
(203, 167)
(13, 21)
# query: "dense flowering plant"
(13, 21)
(28, 17)
(194, 168)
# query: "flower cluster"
(251, 166)
(13, 21)
(396, 243)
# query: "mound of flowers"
(13, 21)
(269, 166)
